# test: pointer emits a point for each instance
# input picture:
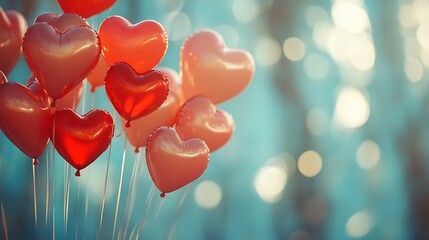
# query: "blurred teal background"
(331, 136)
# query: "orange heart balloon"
(62, 22)
(12, 29)
(25, 118)
(141, 128)
(142, 45)
(210, 69)
(70, 100)
(85, 8)
(60, 60)
(80, 140)
(199, 118)
(132, 94)
(3, 78)
(96, 78)
(172, 162)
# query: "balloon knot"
(35, 162)
(77, 174)
(54, 103)
(92, 89)
(136, 150)
(128, 124)
(162, 195)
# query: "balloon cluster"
(173, 116)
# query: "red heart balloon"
(132, 94)
(85, 8)
(142, 45)
(12, 29)
(70, 100)
(25, 118)
(80, 140)
(172, 162)
(62, 22)
(210, 69)
(60, 60)
(199, 118)
(3, 78)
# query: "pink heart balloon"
(62, 22)
(174, 82)
(172, 162)
(210, 69)
(25, 118)
(60, 60)
(12, 29)
(199, 118)
(139, 132)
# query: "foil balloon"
(139, 132)
(132, 94)
(3, 78)
(25, 118)
(60, 60)
(12, 29)
(85, 8)
(210, 69)
(173, 162)
(96, 78)
(62, 22)
(80, 140)
(199, 118)
(70, 100)
(174, 82)
(142, 45)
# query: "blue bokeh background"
(330, 143)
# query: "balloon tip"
(136, 150)
(128, 124)
(77, 174)
(35, 162)
(162, 195)
(92, 89)
(54, 104)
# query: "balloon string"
(148, 204)
(67, 198)
(119, 189)
(47, 193)
(130, 199)
(87, 192)
(93, 99)
(3, 218)
(103, 201)
(77, 208)
(179, 207)
(84, 96)
(34, 196)
(53, 179)
(147, 215)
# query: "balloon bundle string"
(179, 207)
(77, 208)
(129, 205)
(158, 204)
(148, 203)
(66, 197)
(3, 218)
(47, 192)
(34, 196)
(53, 180)
(119, 188)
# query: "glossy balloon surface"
(25, 118)
(62, 22)
(142, 45)
(12, 29)
(132, 94)
(172, 162)
(80, 140)
(3, 78)
(210, 69)
(199, 118)
(85, 8)
(96, 78)
(60, 61)
(174, 82)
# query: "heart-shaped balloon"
(96, 78)
(12, 29)
(142, 45)
(174, 82)
(199, 118)
(62, 22)
(3, 78)
(85, 8)
(25, 118)
(172, 162)
(80, 140)
(210, 69)
(165, 115)
(70, 100)
(60, 60)
(132, 94)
